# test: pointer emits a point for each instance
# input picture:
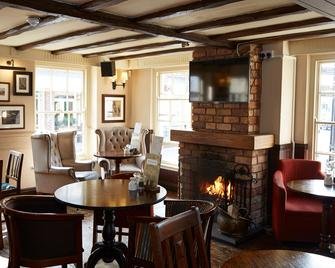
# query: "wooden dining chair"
(178, 241)
(121, 216)
(11, 183)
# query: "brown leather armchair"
(115, 139)
(54, 161)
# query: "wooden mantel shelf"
(229, 140)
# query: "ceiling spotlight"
(33, 20)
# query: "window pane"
(59, 101)
(163, 110)
(174, 85)
(327, 77)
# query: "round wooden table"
(326, 194)
(278, 259)
(117, 156)
(109, 195)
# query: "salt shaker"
(328, 180)
(132, 186)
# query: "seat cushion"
(6, 186)
(299, 203)
(86, 175)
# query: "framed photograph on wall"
(23, 83)
(4, 91)
(11, 117)
(113, 108)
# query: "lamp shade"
(124, 77)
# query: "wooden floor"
(220, 252)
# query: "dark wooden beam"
(100, 4)
(185, 9)
(312, 34)
(67, 36)
(155, 53)
(274, 28)
(54, 7)
(135, 48)
(245, 18)
(102, 43)
(25, 27)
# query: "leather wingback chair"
(296, 217)
(49, 166)
(115, 139)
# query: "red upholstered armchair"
(295, 217)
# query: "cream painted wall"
(20, 139)
(141, 97)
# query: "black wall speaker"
(107, 68)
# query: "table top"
(312, 187)
(109, 193)
(116, 155)
(278, 259)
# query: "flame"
(218, 188)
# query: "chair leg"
(1, 234)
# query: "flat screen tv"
(224, 80)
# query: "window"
(60, 101)
(173, 111)
(325, 114)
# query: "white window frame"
(158, 72)
(84, 152)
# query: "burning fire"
(218, 188)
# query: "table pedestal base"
(108, 250)
(327, 214)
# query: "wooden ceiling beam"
(155, 53)
(245, 18)
(102, 43)
(25, 27)
(67, 36)
(54, 7)
(185, 9)
(274, 28)
(312, 34)
(135, 48)
(100, 4)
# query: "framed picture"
(4, 91)
(113, 108)
(11, 117)
(23, 83)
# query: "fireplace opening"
(230, 186)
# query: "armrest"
(85, 165)
(279, 196)
(62, 170)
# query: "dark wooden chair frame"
(52, 213)
(178, 242)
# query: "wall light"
(124, 79)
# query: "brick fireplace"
(227, 134)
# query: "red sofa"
(296, 217)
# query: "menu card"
(156, 145)
(135, 137)
(151, 170)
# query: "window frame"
(157, 81)
(64, 67)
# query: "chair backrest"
(41, 233)
(207, 211)
(295, 169)
(13, 172)
(41, 146)
(66, 145)
(179, 241)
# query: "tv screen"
(224, 80)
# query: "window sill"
(169, 167)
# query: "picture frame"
(12, 117)
(113, 108)
(4, 92)
(23, 83)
